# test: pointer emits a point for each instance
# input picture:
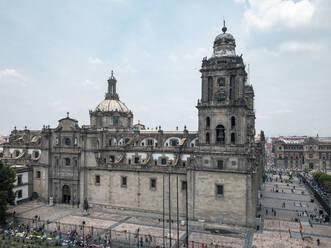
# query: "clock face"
(221, 82)
(220, 96)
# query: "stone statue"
(85, 205)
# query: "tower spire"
(224, 27)
(112, 94)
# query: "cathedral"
(214, 173)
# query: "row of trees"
(7, 195)
(323, 179)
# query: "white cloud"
(10, 73)
(296, 46)
(11, 76)
(265, 14)
(94, 60)
(239, 1)
(90, 84)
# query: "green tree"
(327, 186)
(324, 178)
(317, 174)
(7, 195)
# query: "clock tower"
(226, 112)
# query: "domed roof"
(112, 105)
(224, 36)
(224, 44)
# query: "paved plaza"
(284, 206)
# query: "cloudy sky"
(55, 56)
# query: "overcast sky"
(55, 56)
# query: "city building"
(23, 183)
(112, 163)
(302, 152)
(3, 139)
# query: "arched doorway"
(66, 194)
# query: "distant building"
(115, 164)
(23, 183)
(302, 152)
(3, 139)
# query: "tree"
(317, 174)
(327, 186)
(7, 195)
(323, 179)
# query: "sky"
(56, 57)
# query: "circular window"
(67, 141)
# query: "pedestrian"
(274, 212)
(141, 242)
(318, 242)
(266, 211)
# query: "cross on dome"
(224, 29)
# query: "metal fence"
(95, 235)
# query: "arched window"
(210, 88)
(174, 142)
(232, 87)
(221, 82)
(67, 161)
(207, 138)
(220, 134)
(233, 138)
(233, 122)
(116, 120)
(99, 122)
(36, 154)
(208, 122)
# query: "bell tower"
(226, 112)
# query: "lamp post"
(163, 241)
(186, 199)
(177, 213)
(83, 223)
(169, 210)
(36, 220)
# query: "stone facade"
(115, 164)
(302, 152)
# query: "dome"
(111, 105)
(224, 36)
(224, 44)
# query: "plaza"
(284, 205)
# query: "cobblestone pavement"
(125, 225)
(217, 239)
(291, 202)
